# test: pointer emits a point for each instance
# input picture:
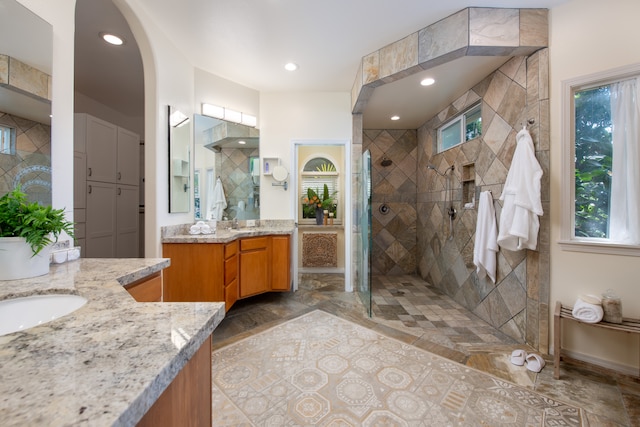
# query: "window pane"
(450, 136)
(473, 123)
(7, 145)
(593, 161)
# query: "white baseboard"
(607, 364)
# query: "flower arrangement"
(312, 202)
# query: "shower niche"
(469, 185)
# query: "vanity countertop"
(106, 363)
(223, 235)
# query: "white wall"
(60, 14)
(589, 36)
(215, 90)
(168, 79)
(285, 117)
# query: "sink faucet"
(235, 224)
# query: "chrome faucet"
(235, 224)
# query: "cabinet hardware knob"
(90, 172)
(90, 189)
(119, 191)
(119, 176)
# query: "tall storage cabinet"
(111, 185)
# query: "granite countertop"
(106, 363)
(180, 234)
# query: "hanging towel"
(588, 309)
(218, 202)
(519, 223)
(486, 246)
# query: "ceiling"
(249, 41)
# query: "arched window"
(319, 177)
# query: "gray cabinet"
(110, 184)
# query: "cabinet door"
(101, 220)
(196, 272)
(127, 221)
(128, 158)
(254, 272)
(280, 263)
(101, 144)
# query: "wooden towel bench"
(563, 311)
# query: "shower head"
(386, 162)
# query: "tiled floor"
(406, 308)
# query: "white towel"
(219, 202)
(486, 246)
(587, 312)
(519, 223)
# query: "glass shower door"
(363, 258)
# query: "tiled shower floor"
(408, 309)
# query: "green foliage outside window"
(593, 162)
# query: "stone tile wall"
(30, 165)
(518, 303)
(236, 180)
(394, 248)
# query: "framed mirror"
(179, 161)
(26, 54)
(229, 152)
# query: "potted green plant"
(27, 231)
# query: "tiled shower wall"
(30, 165)
(518, 303)
(236, 179)
(394, 245)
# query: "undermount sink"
(18, 314)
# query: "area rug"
(320, 370)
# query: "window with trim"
(7, 140)
(319, 178)
(464, 127)
(601, 170)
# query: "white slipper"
(518, 357)
(535, 362)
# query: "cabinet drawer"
(230, 249)
(254, 243)
(230, 269)
(230, 294)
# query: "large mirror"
(226, 167)
(25, 102)
(179, 161)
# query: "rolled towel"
(588, 309)
(194, 229)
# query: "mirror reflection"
(179, 161)
(25, 102)
(227, 168)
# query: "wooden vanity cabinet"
(254, 266)
(280, 263)
(196, 272)
(187, 400)
(227, 271)
(230, 274)
(148, 289)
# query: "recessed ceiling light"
(427, 82)
(290, 66)
(241, 142)
(112, 39)
(395, 118)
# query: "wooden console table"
(563, 311)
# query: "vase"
(319, 216)
(18, 262)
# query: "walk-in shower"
(451, 211)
